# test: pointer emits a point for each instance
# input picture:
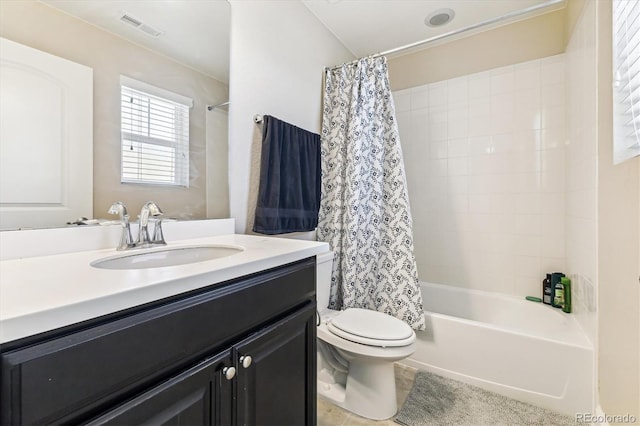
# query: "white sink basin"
(166, 257)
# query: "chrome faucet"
(126, 240)
(150, 211)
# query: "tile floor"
(331, 415)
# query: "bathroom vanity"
(232, 342)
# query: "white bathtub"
(524, 350)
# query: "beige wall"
(37, 25)
(521, 41)
(278, 51)
(618, 250)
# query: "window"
(626, 79)
(155, 135)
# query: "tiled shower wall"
(484, 158)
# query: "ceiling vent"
(139, 25)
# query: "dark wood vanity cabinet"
(199, 396)
(238, 353)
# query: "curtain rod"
(463, 30)
(212, 107)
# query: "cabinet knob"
(246, 361)
(229, 372)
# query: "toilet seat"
(371, 328)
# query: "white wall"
(581, 162)
(484, 158)
(618, 209)
(278, 51)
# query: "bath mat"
(436, 400)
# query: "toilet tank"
(324, 266)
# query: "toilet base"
(370, 390)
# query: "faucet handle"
(158, 236)
(118, 208)
(153, 208)
(149, 210)
(126, 240)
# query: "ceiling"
(196, 32)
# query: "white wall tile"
(479, 85)
(528, 203)
(458, 184)
(458, 91)
(438, 131)
(553, 117)
(458, 147)
(552, 95)
(552, 70)
(527, 75)
(438, 94)
(420, 97)
(438, 149)
(502, 112)
(457, 166)
(480, 145)
(527, 104)
(528, 224)
(502, 80)
(402, 100)
(552, 138)
(458, 123)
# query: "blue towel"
(289, 192)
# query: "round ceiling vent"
(439, 17)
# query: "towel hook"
(257, 119)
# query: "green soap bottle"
(566, 284)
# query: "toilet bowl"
(356, 352)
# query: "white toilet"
(356, 351)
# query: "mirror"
(178, 45)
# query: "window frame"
(626, 80)
(180, 142)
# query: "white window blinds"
(626, 79)
(155, 135)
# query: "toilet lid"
(371, 328)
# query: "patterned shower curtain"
(364, 208)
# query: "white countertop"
(43, 293)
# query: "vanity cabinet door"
(201, 395)
(278, 387)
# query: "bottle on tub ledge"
(553, 282)
(547, 290)
(566, 293)
(556, 291)
(548, 287)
